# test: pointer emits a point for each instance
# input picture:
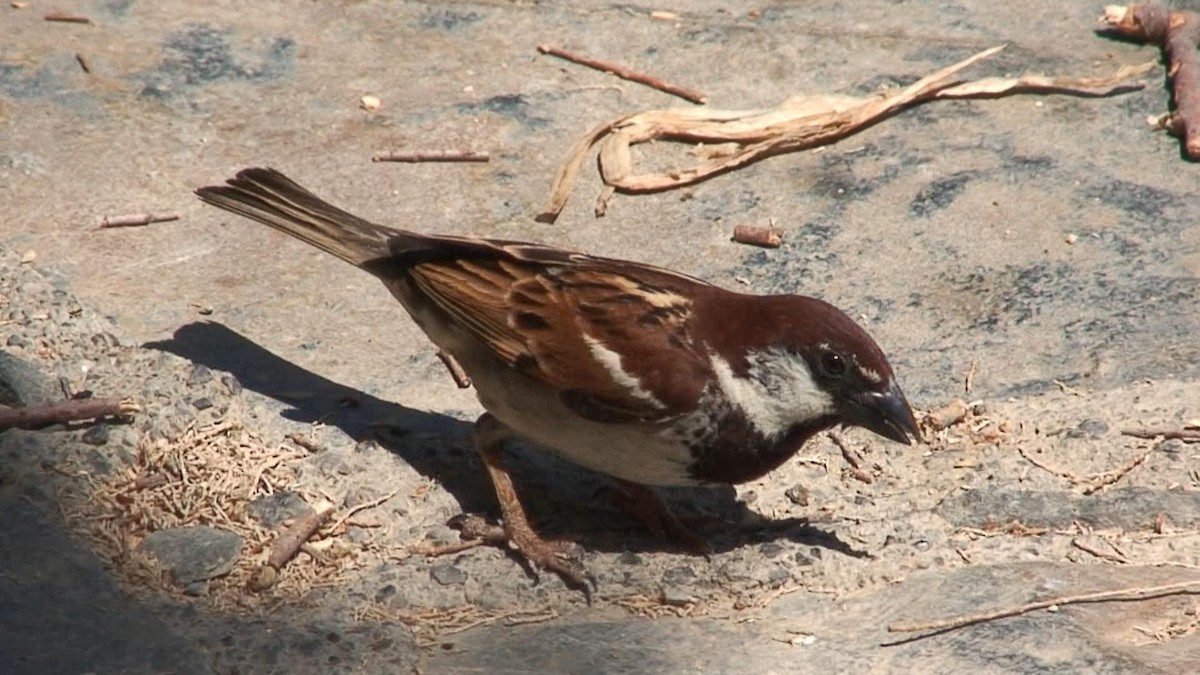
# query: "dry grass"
(431, 627)
(206, 476)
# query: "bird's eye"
(833, 365)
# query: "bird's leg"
(645, 504)
(490, 433)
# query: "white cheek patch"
(777, 394)
(611, 361)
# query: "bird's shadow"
(439, 447)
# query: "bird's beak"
(885, 413)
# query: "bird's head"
(801, 362)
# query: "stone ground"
(945, 229)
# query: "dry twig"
(526, 619)
(287, 545)
(1061, 473)
(83, 63)
(432, 156)
(514, 617)
(136, 219)
(147, 482)
(1109, 477)
(969, 377)
(1125, 594)
(74, 410)
(799, 123)
(1185, 435)
(436, 550)
(625, 73)
(1160, 523)
(1103, 555)
(1178, 32)
(758, 235)
(362, 507)
(457, 373)
(474, 531)
(64, 17)
(852, 458)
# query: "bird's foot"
(555, 555)
(541, 554)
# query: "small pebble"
(629, 558)
(1172, 446)
(447, 575)
(96, 435)
(105, 340)
(770, 549)
(1089, 428)
(199, 375)
(778, 575)
(675, 576)
(798, 495)
(193, 553)
(676, 596)
(272, 510)
(1071, 239)
(370, 103)
(231, 384)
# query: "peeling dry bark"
(742, 137)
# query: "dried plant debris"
(1178, 33)
(188, 494)
(432, 626)
(802, 122)
(957, 423)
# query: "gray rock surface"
(194, 553)
(944, 229)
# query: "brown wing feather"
(563, 318)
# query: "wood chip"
(758, 235)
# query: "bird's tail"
(277, 201)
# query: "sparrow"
(646, 375)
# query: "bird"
(649, 376)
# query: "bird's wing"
(613, 337)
